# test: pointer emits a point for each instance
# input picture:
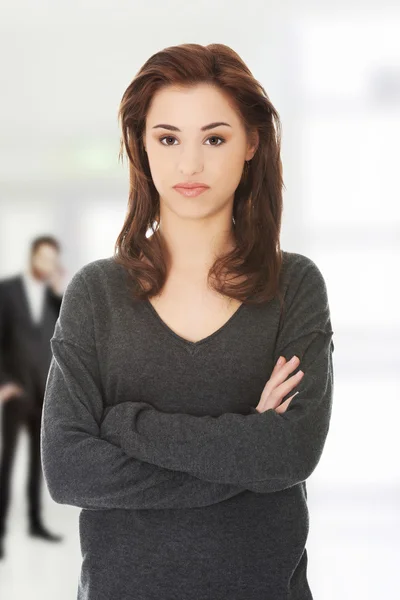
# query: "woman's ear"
(253, 145)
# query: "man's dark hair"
(44, 239)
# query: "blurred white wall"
(332, 70)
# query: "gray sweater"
(186, 491)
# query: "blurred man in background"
(29, 307)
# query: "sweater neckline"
(183, 340)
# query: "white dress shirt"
(35, 291)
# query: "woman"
(167, 417)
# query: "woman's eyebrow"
(204, 128)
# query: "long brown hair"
(257, 210)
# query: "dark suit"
(25, 356)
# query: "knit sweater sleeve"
(263, 452)
(79, 467)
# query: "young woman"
(167, 417)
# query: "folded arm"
(263, 452)
(79, 467)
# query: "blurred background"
(332, 70)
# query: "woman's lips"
(191, 192)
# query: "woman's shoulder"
(297, 261)
(100, 274)
(301, 270)
(100, 267)
(89, 297)
(96, 284)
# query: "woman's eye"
(167, 137)
(215, 137)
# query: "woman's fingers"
(280, 374)
(288, 385)
(280, 384)
(282, 371)
(282, 407)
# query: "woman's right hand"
(277, 388)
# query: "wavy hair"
(256, 259)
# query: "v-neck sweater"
(187, 491)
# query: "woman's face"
(214, 156)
